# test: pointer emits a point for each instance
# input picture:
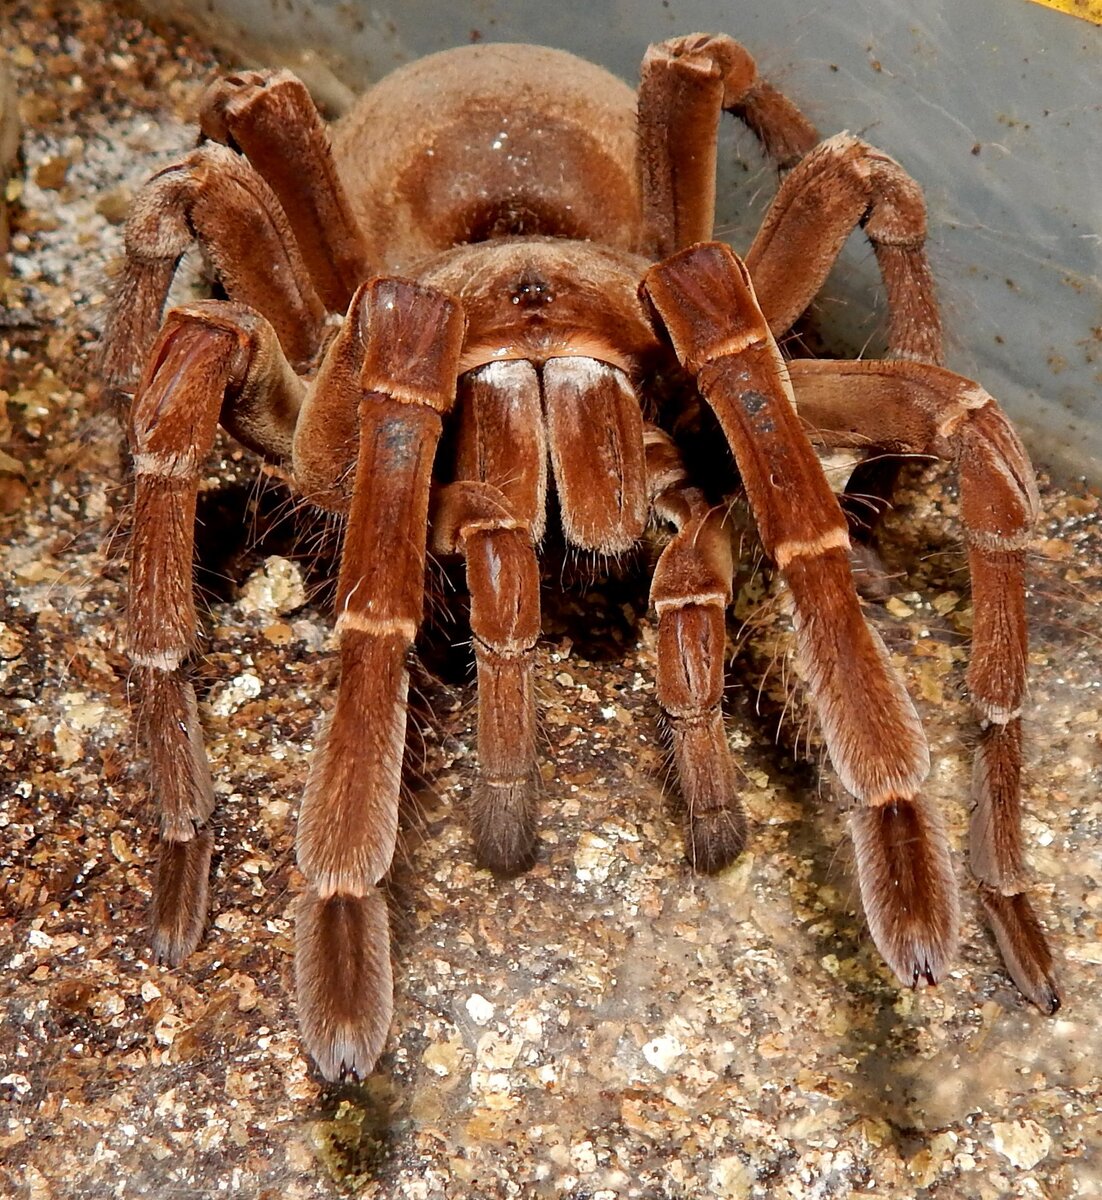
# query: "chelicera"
(508, 244)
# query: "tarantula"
(516, 248)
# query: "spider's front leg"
(394, 365)
(704, 298)
(207, 357)
(691, 592)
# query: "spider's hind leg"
(271, 118)
(686, 83)
(922, 409)
(206, 357)
(842, 184)
(212, 197)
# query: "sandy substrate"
(606, 1025)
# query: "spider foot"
(715, 824)
(180, 897)
(1023, 947)
(715, 838)
(343, 979)
(503, 824)
(907, 887)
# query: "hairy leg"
(830, 189)
(687, 82)
(474, 518)
(691, 592)
(212, 197)
(271, 117)
(844, 182)
(206, 357)
(915, 408)
(395, 360)
(495, 516)
(872, 733)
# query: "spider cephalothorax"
(518, 246)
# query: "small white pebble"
(166, 1029)
(1023, 1143)
(277, 587)
(498, 1051)
(231, 696)
(584, 1158)
(311, 635)
(662, 1052)
(593, 858)
(731, 1178)
(480, 1010)
(443, 1058)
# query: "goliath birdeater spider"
(517, 248)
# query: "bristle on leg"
(995, 842)
(182, 788)
(503, 824)
(343, 980)
(180, 897)
(715, 823)
(908, 889)
(1023, 947)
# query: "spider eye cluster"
(531, 290)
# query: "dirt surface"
(606, 1025)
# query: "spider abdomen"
(434, 157)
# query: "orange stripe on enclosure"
(1088, 10)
